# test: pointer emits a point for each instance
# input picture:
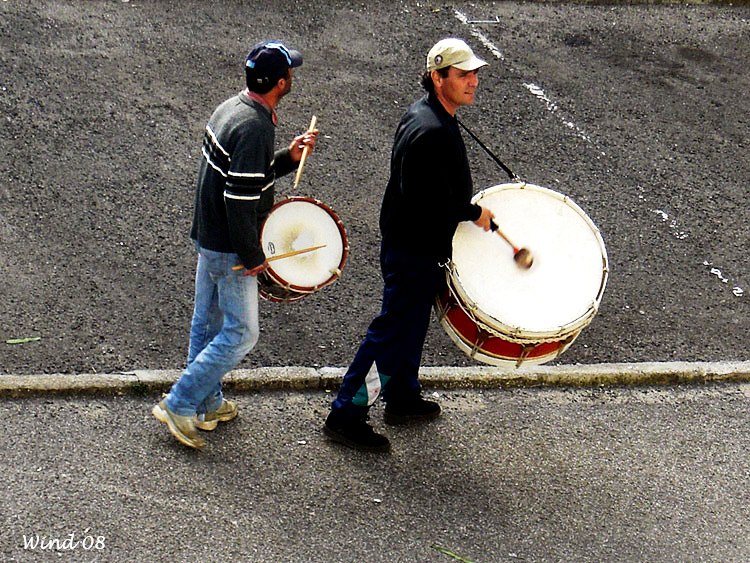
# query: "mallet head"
(523, 258)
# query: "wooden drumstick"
(285, 255)
(305, 152)
(522, 256)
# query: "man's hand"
(257, 270)
(299, 143)
(484, 219)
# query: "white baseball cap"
(453, 52)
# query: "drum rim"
(266, 293)
(554, 332)
(306, 289)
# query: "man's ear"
(282, 82)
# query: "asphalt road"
(605, 474)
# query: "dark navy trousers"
(395, 338)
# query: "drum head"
(562, 289)
(298, 223)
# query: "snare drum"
(293, 224)
(501, 314)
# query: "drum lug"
(482, 337)
(566, 342)
(526, 349)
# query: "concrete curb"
(307, 378)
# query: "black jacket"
(430, 188)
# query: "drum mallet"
(522, 256)
(285, 255)
(305, 152)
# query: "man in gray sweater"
(235, 192)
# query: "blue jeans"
(223, 330)
(395, 338)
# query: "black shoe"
(416, 410)
(354, 433)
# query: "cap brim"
(472, 64)
(296, 57)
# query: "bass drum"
(501, 314)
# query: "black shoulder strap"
(489, 152)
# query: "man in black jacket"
(429, 192)
(235, 191)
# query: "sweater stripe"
(211, 164)
(214, 153)
(228, 195)
(247, 175)
(215, 140)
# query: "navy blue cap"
(269, 60)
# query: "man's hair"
(426, 80)
(264, 85)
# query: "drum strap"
(500, 163)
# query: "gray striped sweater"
(235, 187)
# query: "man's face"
(457, 89)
